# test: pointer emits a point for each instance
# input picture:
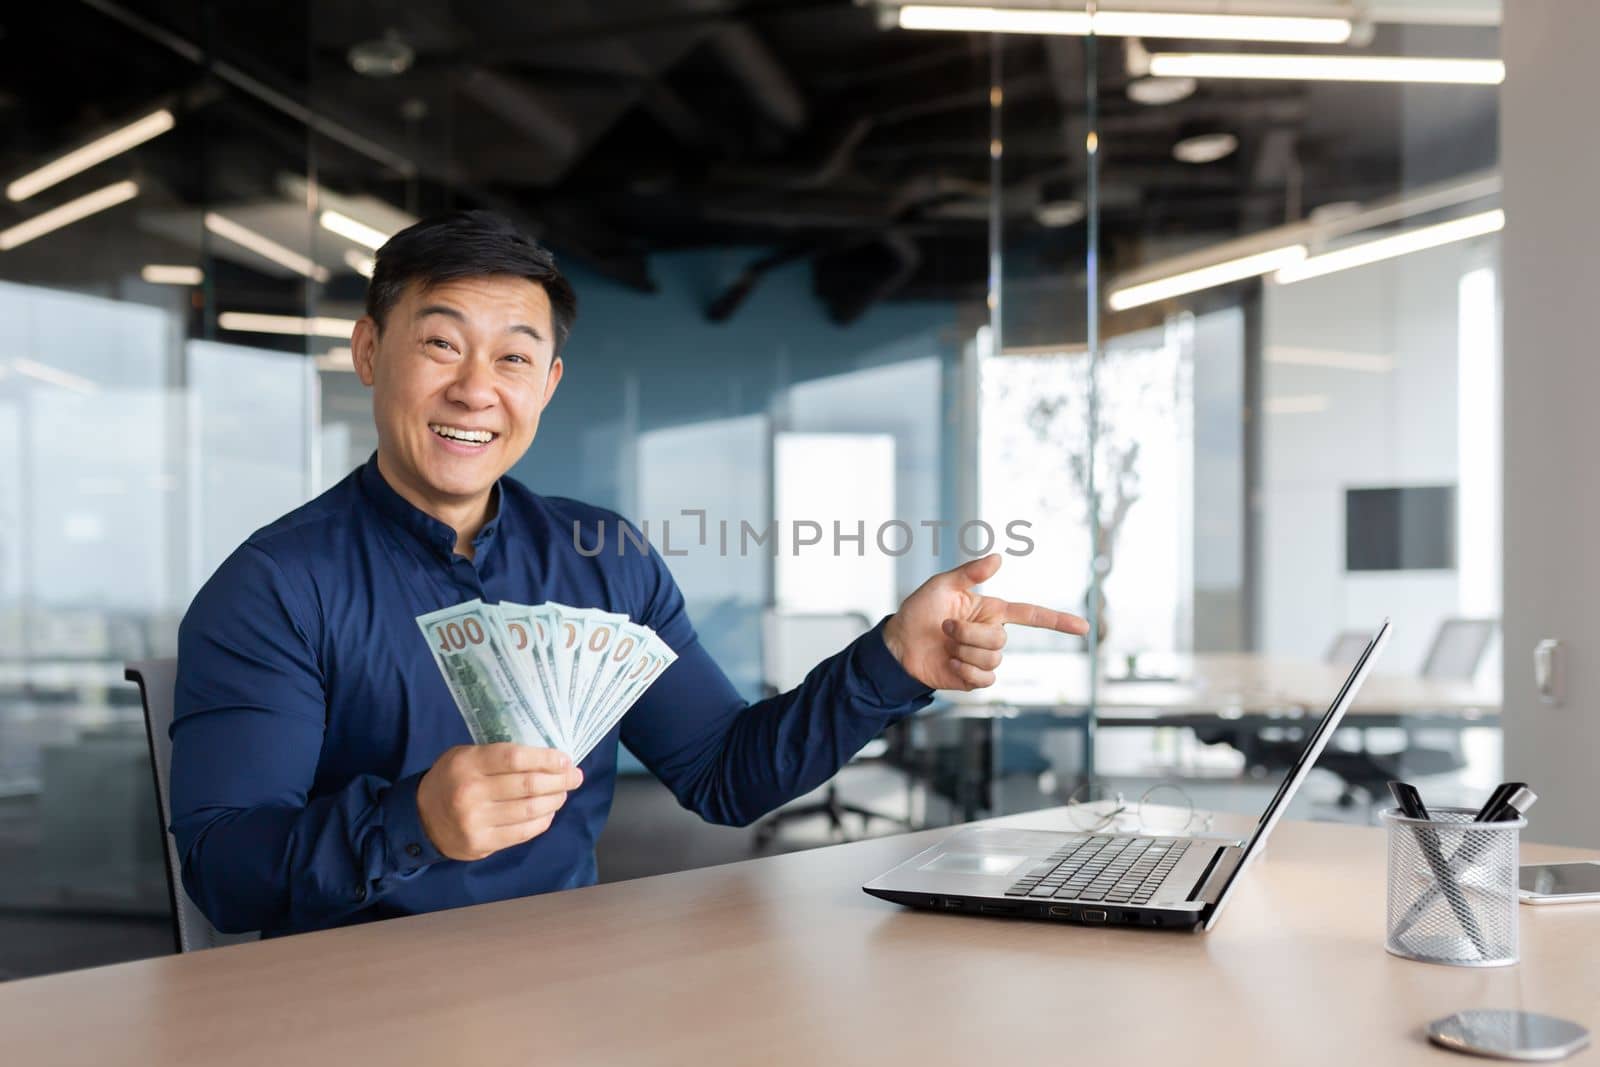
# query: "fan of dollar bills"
(547, 675)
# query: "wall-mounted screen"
(1400, 529)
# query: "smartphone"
(1559, 883)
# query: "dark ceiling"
(801, 129)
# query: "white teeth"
(477, 437)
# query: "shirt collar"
(438, 536)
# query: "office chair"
(791, 644)
(1270, 749)
(1458, 648)
(157, 679)
(1347, 648)
(1455, 655)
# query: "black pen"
(1515, 804)
(1411, 805)
(1509, 801)
(1490, 812)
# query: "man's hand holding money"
(478, 799)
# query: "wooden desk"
(786, 961)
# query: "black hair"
(467, 244)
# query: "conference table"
(1207, 692)
(785, 961)
(1217, 685)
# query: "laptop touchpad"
(975, 863)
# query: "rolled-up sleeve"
(258, 851)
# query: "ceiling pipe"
(749, 59)
(526, 110)
(841, 290)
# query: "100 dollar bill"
(470, 646)
(528, 644)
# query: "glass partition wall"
(1248, 373)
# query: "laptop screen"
(1307, 759)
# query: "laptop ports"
(999, 909)
(1093, 915)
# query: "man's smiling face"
(460, 374)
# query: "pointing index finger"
(1045, 618)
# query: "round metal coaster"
(1508, 1035)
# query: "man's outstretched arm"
(733, 762)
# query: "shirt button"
(361, 894)
(413, 850)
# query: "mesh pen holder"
(1452, 888)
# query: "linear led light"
(1125, 24)
(1330, 358)
(1309, 404)
(318, 326)
(265, 247)
(67, 213)
(362, 265)
(1400, 244)
(349, 228)
(81, 159)
(1192, 281)
(1328, 68)
(337, 359)
(54, 376)
(170, 274)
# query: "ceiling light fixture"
(294, 325)
(67, 213)
(1332, 359)
(169, 274)
(43, 372)
(1192, 281)
(1156, 92)
(265, 247)
(1205, 148)
(1057, 214)
(96, 151)
(1296, 29)
(1400, 244)
(351, 229)
(382, 57)
(1328, 68)
(337, 359)
(1309, 404)
(362, 265)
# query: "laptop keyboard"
(1117, 870)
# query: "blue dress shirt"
(309, 707)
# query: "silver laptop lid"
(1302, 766)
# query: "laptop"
(1125, 879)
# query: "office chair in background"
(1270, 749)
(1458, 648)
(1347, 648)
(157, 679)
(1456, 653)
(791, 644)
